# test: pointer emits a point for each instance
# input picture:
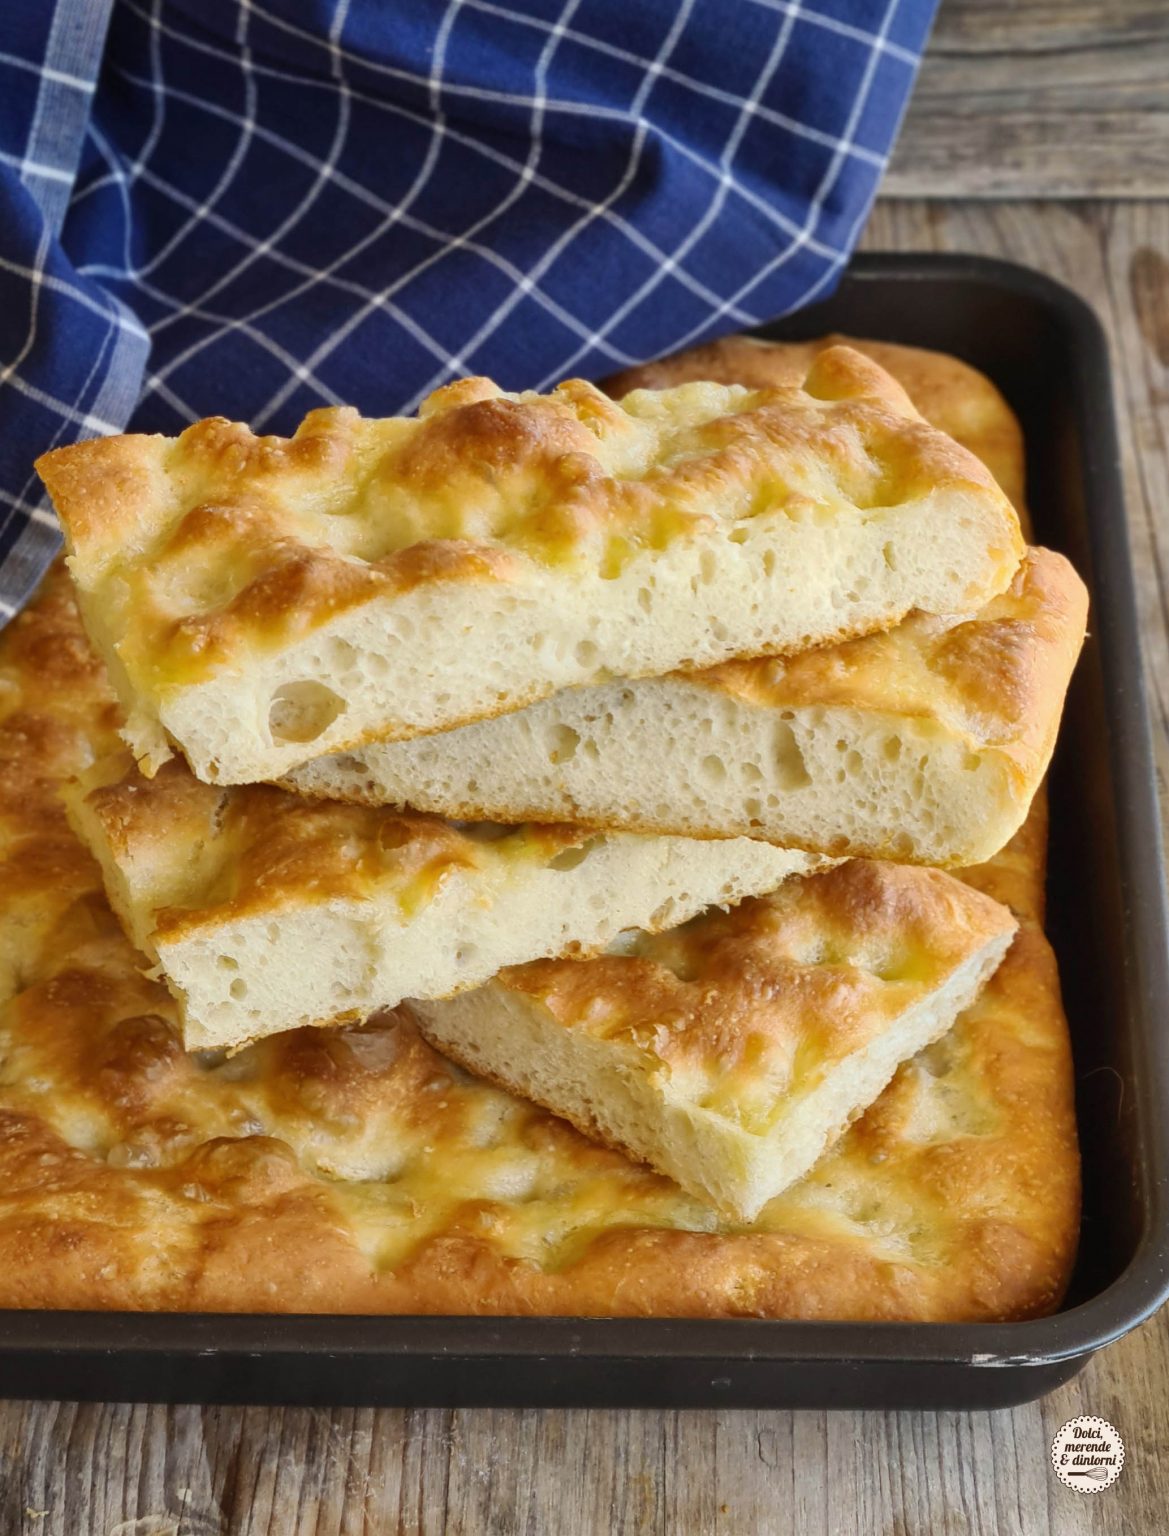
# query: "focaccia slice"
(266, 911)
(925, 743)
(261, 601)
(949, 393)
(730, 1051)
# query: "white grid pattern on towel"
(140, 301)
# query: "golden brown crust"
(111, 489)
(56, 710)
(993, 681)
(355, 1170)
(951, 395)
(201, 550)
(747, 1005)
(188, 855)
(153, 1179)
(992, 684)
(998, 678)
(1002, 673)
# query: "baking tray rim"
(1075, 1333)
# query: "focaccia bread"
(925, 743)
(730, 1051)
(56, 711)
(950, 394)
(356, 1170)
(266, 911)
(261, 601)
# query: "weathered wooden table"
(1040, 132)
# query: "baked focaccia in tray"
(57, 712)
(925, 743)
(261, 601)
(357, 1170)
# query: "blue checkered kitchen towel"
(254, 207)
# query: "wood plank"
(187, 1471)
(1054, 98)
(119, 1470)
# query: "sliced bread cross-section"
(729, 1052)
(266, 911)
(925, 743)
(262, 600)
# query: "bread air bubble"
(301, 712)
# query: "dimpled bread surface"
(261, 601)
(357, 1170)
(730, 1051)
(923, 743)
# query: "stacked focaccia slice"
(729, 1052)
(925, 742)
(266, 911)
(260, 600)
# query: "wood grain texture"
(1055, 98)
(122, 1470)
(117, 1470)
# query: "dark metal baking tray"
(1046, 351)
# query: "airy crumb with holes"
(356, 1170)
(264, 600)
(925, 743)
(267, 911)
(730, 1051)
